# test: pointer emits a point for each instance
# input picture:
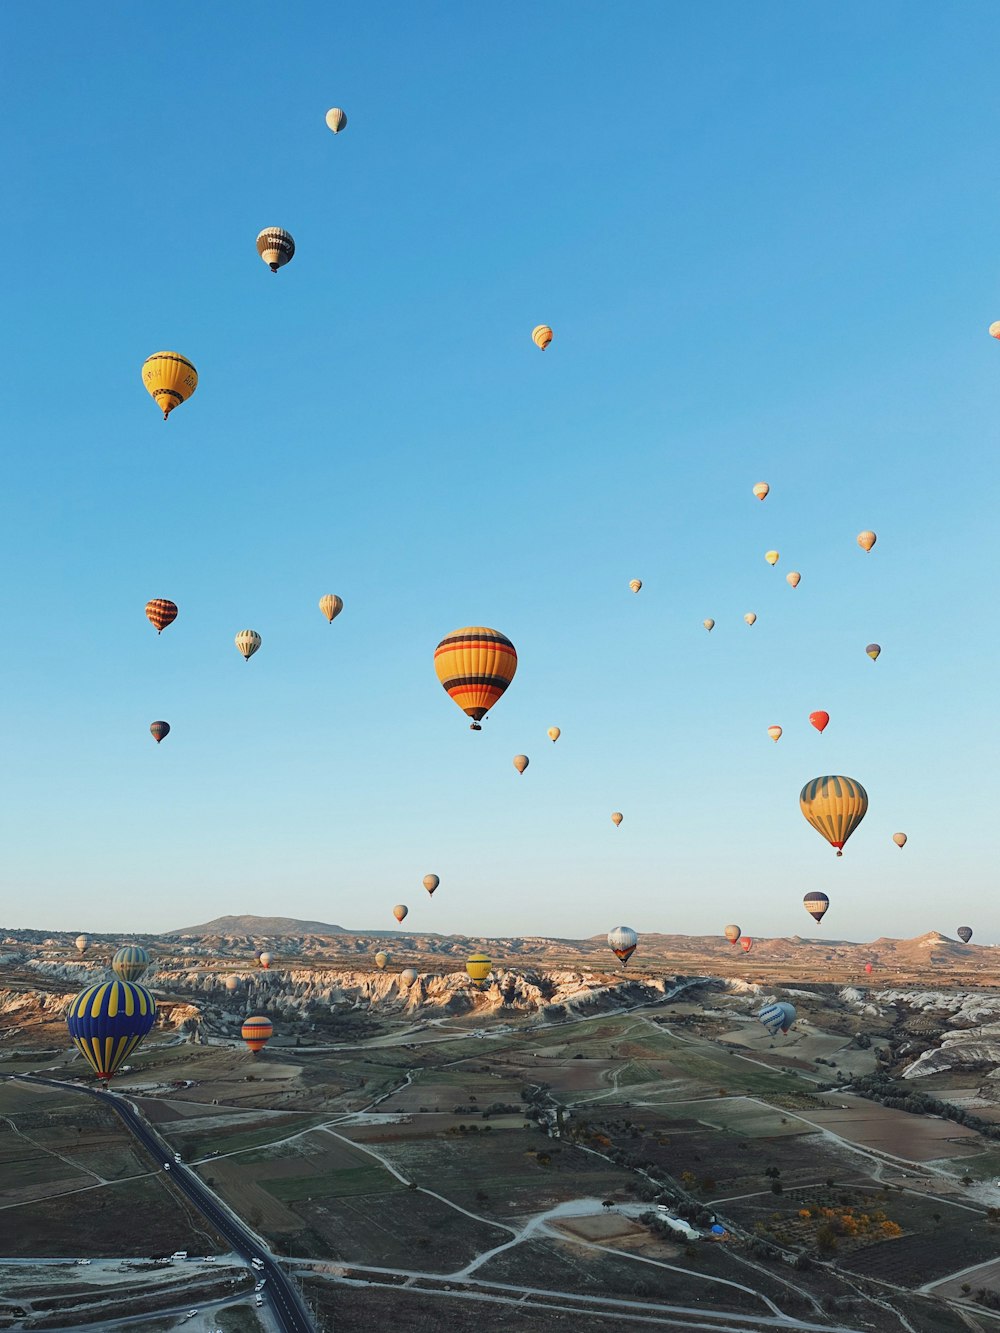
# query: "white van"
(179, 1254)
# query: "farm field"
(917, 1138)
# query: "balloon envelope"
(774, 733)
(899, 839)
(623, 940)
(617, 818)
(866, 540)
(335, 119)
(130, 962)
(381, 958)
(554, 733)
(772, 558)
(541, 336)
(108, 1021)
(265, 960)
(794, 578)
(873, 651)
(276, 247)
(232, 983)
(160, 613)
(158, 730)
(820, 720)
(709, 625)
(995, 329)
(475, 665)
(732, 933)
(635, 584)
(478, 966)
(170, 380)
(746, 944)
(817, 905)
(521, 762)
(777, 1017)
(248, 641)
(256, 1032)
(400, 911)
(81, 942)
(750, 617)
(761, 490)
(964, 933)
(834, 806)
(408, 976)
(331, 605)
(868, 968)
(430, 883)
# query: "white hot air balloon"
(248, 641)
(336, 120)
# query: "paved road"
(279, 1292)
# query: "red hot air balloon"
(820, 720)
(160, 613)
(158, 730)
(746, 944)
(868, 968)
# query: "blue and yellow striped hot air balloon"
(475, 665)
(108, 1021)
(130, 962)
(835, 806)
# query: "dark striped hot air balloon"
(475, 665)
(256, 1032)
(158, 730)
(276, 247)
(130, 962)
(777, 1017)
(161, 612)
(817, 905)
(835, 806)
(108, 1021)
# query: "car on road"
(258, 1300)
(256, 1263)
(261, 1284)
(191, 1313)
(166, 1166)
(177, 1157)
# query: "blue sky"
(766, 239)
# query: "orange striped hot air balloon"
(541, 336)
(475, 665)
(160, 613)
(257, 1032)
(835, 806)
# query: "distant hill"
(259, 925)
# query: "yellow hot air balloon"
(541, 336)
(771, 557)
(635, 584)
(835, 806)
(761, 490)
(899, 839)
(553, 734)
(475, 665)
(248, 641)
(709, 625)
(479, 966)
(521, 762)
(617, 818)
(866, 540)
(335, 119)
(331, 605)
(794, 578)
(995, 329)
(170, 380)
(774, 733)
(750, 617)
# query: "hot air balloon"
(170, 379)
(232, 983)
(819, 720)
(623, 940)
(160, 613)
(761, 490)
(400, 911)
(335, 119)
(873, 651)
(521, 762)
(709, 625)
(331, 605)
(248, 641)
(265, 960)
(276, 247)
(158, 730)
(777, 1017)
(964, 933)
(817, 905)
(995, 329)
(835, 806)
(256, 1032)
(617, 818)
(541, 336)
(408, 976)
(772, 558)
(475, 665)
(746, 944)
(554, 733)
(750, 617)
(478, 966)
(774, 733)
(866, 540)
(868, 968)
(793, 579)
(108, 1021)
(81, 943)
(732, 933)
(130, 962)
(899, 839)
(381, 958)
(430, 883)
